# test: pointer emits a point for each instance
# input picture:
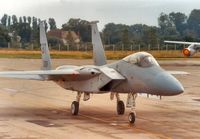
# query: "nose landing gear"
(131, 104)
(131, 117)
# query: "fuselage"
(151, 80)
(140, 77)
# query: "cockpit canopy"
(141, 59)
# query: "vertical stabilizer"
(46, 59)
(98, 50)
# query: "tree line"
(172, 26)
(24, 26)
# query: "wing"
(67, 74)
(181, 42)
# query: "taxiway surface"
(41, 110)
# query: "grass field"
(172, 54)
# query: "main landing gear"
(75, 104)
(120, 104)
(75, 108)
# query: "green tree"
(29, 20)
(164, 23)
(4, 38)
(179, 20)
(20, 20)
(113, 33)
(125, 38)
(24, 19)
(24, 31)
(151, 37)
(14, 19)
(52, 23)
(9, 22)
(4, 19)
(34, 23)
(194, 21)
(35, 31)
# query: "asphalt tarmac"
(41, 110)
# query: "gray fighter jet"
(136, 73)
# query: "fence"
(88, 47)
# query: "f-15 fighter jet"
(136, 73)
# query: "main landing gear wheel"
(75, 108)
(120, 107)
(131, 118)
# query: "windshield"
(147, 61)
(141, 59)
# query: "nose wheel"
(131, 117)
(131, 104)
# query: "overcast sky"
(118, 11)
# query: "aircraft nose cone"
(168, 85)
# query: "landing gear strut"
(131, 104)
(75, 104)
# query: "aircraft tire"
(131, 118)
(120, 107)
(75, 108)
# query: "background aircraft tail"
(98, 50)
(46, 59)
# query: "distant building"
(64, 36)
